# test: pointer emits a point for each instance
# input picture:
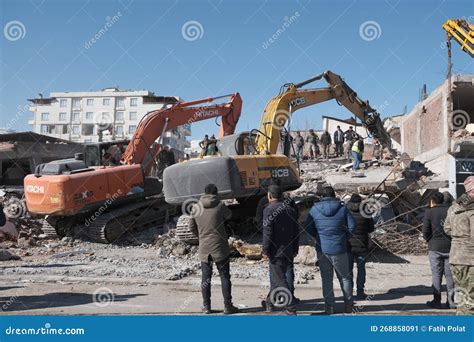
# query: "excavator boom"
(279, 109)
(461, 31)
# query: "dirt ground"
(135, 280)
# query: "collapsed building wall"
(427, 131)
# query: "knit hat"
(469, 184)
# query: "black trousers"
(280, 293)
(223, 267)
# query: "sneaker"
(290, 312)
(268, 307)
(348, 308)
(206, 310)
(436, 304)
(329, 310)
(231, 309)
(361, 295)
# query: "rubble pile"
(401, 239)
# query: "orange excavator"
(103, 202)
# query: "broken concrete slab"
(7, 255)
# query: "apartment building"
(109, 114)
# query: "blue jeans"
(340, 263)
(359, 260)
(357, 157)
(289, 276)
(299, 153)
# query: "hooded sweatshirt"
(331, 224)
(208, 224)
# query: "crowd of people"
(346, 144)
(340, 232)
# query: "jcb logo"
(297, 102)
(37, 189)
(278, 173)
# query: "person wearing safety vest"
(357, 150)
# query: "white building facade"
(109, 114)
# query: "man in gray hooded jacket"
(207, 222)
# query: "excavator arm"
(461, 31)
(155, 123)
(279, 109)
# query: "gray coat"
(208, 225)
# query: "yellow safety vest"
(355, 147)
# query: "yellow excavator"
(461, 31)
(249, 160)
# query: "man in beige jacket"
(459, 225)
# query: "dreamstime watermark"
(21, 111)
(371, 207)
(460, 119)
(280, 119)
(102, 208)
(192, 30)
(14, 207)
(103, 297)
(280, 297)
(370, 30)
(109, 22)
(10, 302)
(103, 120)
(14, 30)
(192, 207)
(46, 330)
(283, 206)
(287, 21)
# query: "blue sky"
(145, 49)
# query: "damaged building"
(438, 132)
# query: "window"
(44, 129)
(75, 129)
(62, 103)
(44, 116)
(62, 116)
(132, 116)
(119, 130)
(133, 102)
(76, 116)
(132, 129)
(90, 102)
(120, 102)
(89, 115)
(76, 103)
(119, 116)
(106, 102)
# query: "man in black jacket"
(439, 246)
(280, 245)
(262, 204)
(359, 242)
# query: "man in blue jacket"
(280, 245)
(331, 224)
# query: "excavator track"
(183, 232)
(49, 229)
(110, 226)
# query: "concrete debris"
(306, 256)
(7, 255)
(249, 251)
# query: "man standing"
(357, 151)
(459, 225)
(313, 140)
(165, 159)
(326, 142)
(339, 141)
(331, 224)
(262, 204)
(208, 225)
(299, 141)
(359, 243)
(203, 145)
(212, 146)
(439, 245)
(349, 136)
(280, 245)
